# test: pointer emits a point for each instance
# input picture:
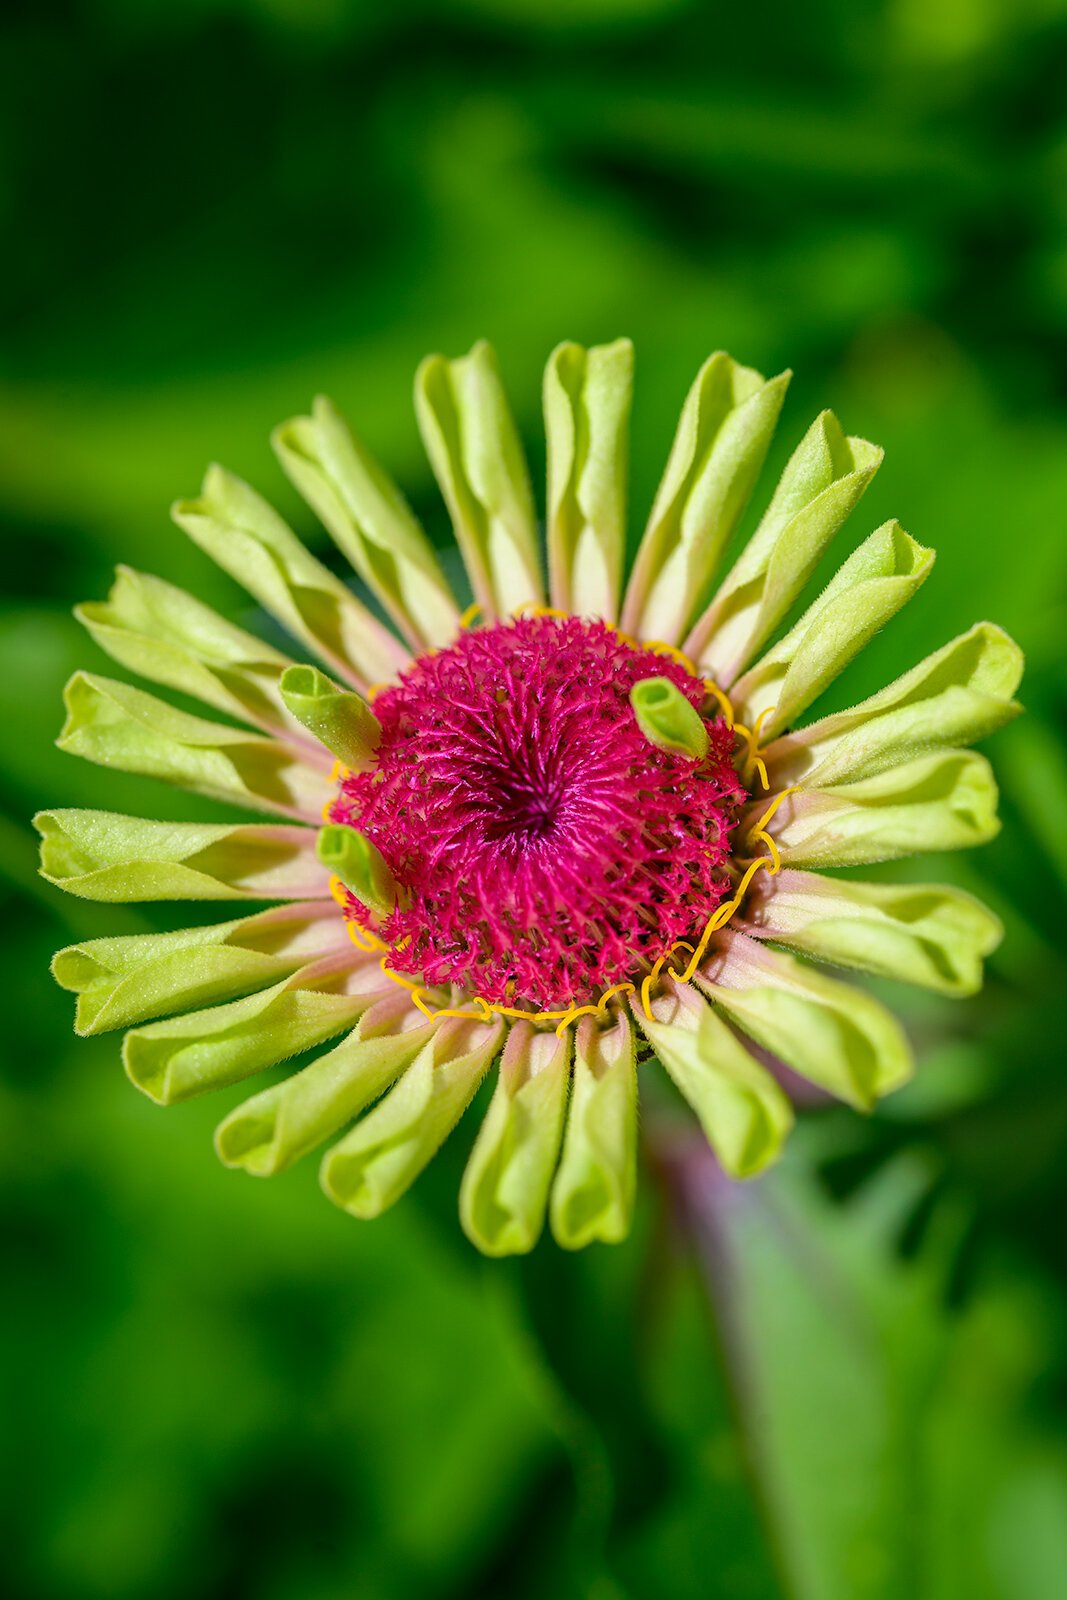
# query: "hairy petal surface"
(370, 521)
(876, 580)
(742, 1110)
(943, 801)
(837, 1036)
(587, 396)
(593, 1193)
(928, 934)
(130, 979)
(247, 538)
(819, 488)
(114, 725)
(167, 636)
(266, 1134)
(474, 449)
(504, 1192)
(187, 1055)
(102, 855)
(385, 1152)
(958, 695)
(723, 435)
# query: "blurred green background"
(848, 1382)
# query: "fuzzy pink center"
(545, 848)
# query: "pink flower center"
(545, 849)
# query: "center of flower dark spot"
(527, 803)
(544, 848)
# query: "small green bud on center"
(360, 865)
(339, 718)
(667, 719)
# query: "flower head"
(536, 832)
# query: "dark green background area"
(847, 1382)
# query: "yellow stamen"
(484, 1015)
(532, 609)
(467, 619)
(659, 647)
(723, 700)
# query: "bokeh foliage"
(849, 1380)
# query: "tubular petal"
(744, 1113)
(240, 531)
(385, 1152)
(505, 1186)
(475, 453)
(127, 980)
(101, 855)
(819, 488)
(593, 1193)
(723, 435)
(587, 396)
(928, 934)
(667, 719)
(360, 865)
(340, 719)
(370, 521)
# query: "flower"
(534, 833)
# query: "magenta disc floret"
(544, 848)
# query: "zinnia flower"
(544, 832)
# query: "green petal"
(587, 397)
(667, 719)
(593, 1195)
(185, 1056)
(742, 1110)
(120, 727)
(126, 980)
(167, 636)
(831, 1033)
(250, 541)
(723, 434)
(928, 934)
(267, 1133)
(943, 801)
(958, 695)
(819, 488)
(474, 449)
(100, 855)
(875, 581)
(339, 719)
(385, 1152)
(370, 521)
(504, 1192)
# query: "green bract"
(667, 719)
(394, 1063)
(340, 719)
(359, 864)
